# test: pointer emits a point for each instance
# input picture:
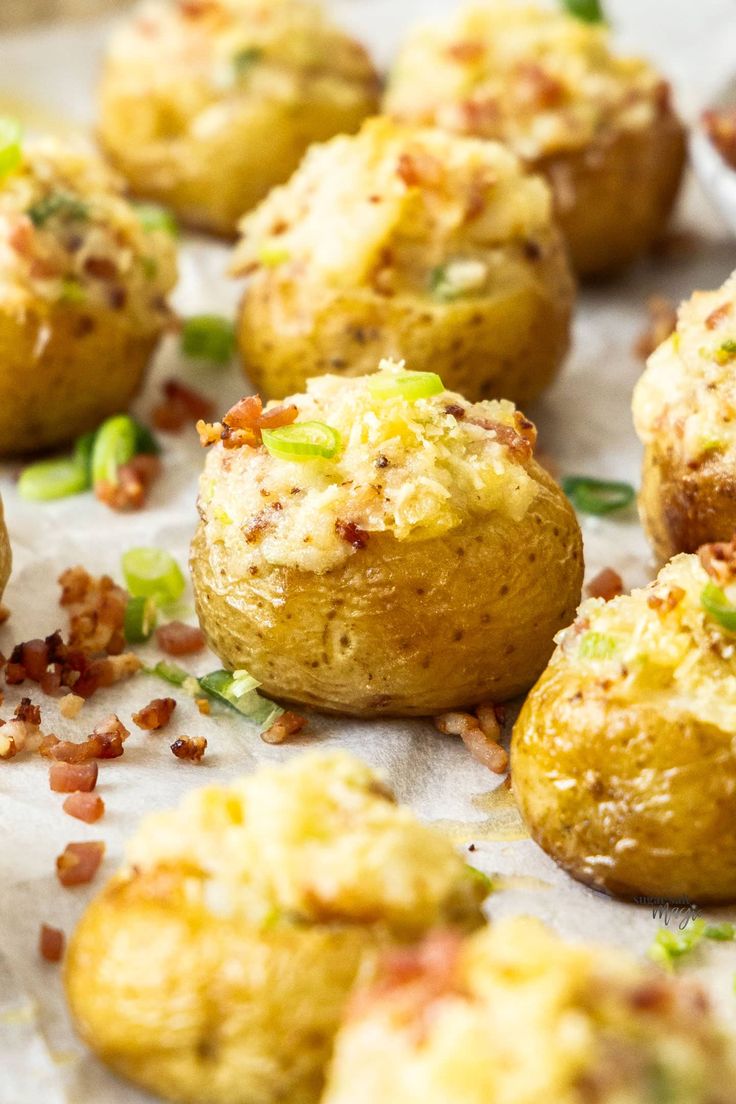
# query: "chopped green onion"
(11, 150)
(140, 620)
(596, 645)
(152, 218)
(726, 351)
(271, 254)
(483, 881)
(597, 496)
(153, 573)
(405, 385)
(721, 933)
(302, 441)
(50, 479)
(115, 445)
(72, 291)
(169, 672)
(669, 945)
(83, 449)
(145, 441)
(590, 11)
(245, 59)
(715, 603)
(57, 203)
(238, 690)
(208, 337)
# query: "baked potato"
(6, 554)
(206, 104)
(422, 245)
(83, 286)
(623, 756)
(215, 965)
(515, 1016)
(600, 127)
(396, 550)
(684, 408)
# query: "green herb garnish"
(208, 337)
(716, 604)
(302, 441)
(669, 946)
(152, 217)
(140, 619)
(596, 645)
(245, 59)
(59, 204)
(590, 11)
(405, 385)
(597, 496)
(153, 573)
(50, 479)
(726, 351)
(238, 689)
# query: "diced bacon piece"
(288, 724)
(155, 715)
(79, 862)
(178, 639)
(180, 407)
(51, 943)
(246, 414)
(190, 748)
(278, 416)
(73, 777)
(84, 806)
(607, 584)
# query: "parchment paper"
(584, 423)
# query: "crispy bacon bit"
(259, 524)
(243, 423)
(135, 480)
(480, 734)
(518, 439)
(662, 323)
(719, 560)
(209, 433)
(467, 52)
(22, 731)
(101, 268)
(419, 169)
(70, 706)
(536, 86)
(65, 777)
(155, 715)
(178, 639)
(351, 533)
(720, 314)
(720, 126)
(96, 611)
(667, 602)
(180, 407)
(106, 742)
(278, 417)
(246, 414)
(35, 658)
(457, 412)
(51, 943)
(22, 236)
(425, 973)
(79, 862)
(607, 584)
(288, 724)
(84, 806)
(15, 673)
(190, 748)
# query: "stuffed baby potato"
(6, 554)
(600, 127)
(516, 1016)
(206, 104)
(394, 550)
(623, 757)
(685, 414)
(412, 244)
(215, 965)
(83, 286)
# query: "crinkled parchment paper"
(584, 423)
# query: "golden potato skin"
(404, 628)
(613, 199)
(63, 370)
(683, 506)
(509, 345)
(626, 797)
(6, 554)
(189, 1005)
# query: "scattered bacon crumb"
(155, 715)
(662, 323)
(70, 706)
(278, 416)
(106, 742)
(79, 862)
(84, 806)
(51, 943)
(719, 560)
(134, 482)
(243, 423)
(607, 584)
(67, 777)
(418, 168)
(720, 314)
(178, 639)
(536, 86)
(480, 734)
(666, 603)
(180, 407)
(425, 973)
(720, 126)
(204, 706)
(22, 731)
(96, 611)
(288, 724)
(519, 439)
(190, 748)
(350, 532)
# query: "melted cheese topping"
(400, 208)
(413, 469)
(319, 839)
(686, 398)
(540, 80)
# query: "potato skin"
(683, 506)
(613, 199)
(6, 553)
(625, 797)
(63, 369)
(509, 345)
(191, 1006)
(403, 628)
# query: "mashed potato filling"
(398, 204)
(415, 469)
(318, 840)
(687, 395)
(660, 644)
(541, 81)
(68, 235)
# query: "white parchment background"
(584, 423)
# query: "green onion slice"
(239, 690)
(169, 672)
(246, 58)
(405, 385)
(140, 619)
(590, 11)
(153, 573)
(208, 337)
(67, 206)
(595, 645)
(597, 496)
(715, 603)
(50, 479)
(152, 218)
(115, 444)
(11, 150)
(302, 441)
